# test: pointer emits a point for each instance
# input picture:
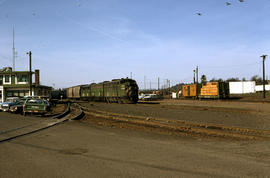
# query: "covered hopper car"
(117, 90)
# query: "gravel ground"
(232, 114)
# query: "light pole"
(263, 57)
(30, 70)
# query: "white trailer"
(243, 87)
(260, 88)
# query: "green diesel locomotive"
(118, 90)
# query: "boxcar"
(74, 92)
(215, 90)
(190, 90)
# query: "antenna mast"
(13, 52)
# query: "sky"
(83, 41)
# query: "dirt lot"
(212, 118)
(126, 140)
(235, 114)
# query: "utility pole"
(30, 70)
(197, 82)
(197, 75)
(158, 83)
(144, 82)
(264, 57)
(194, 71)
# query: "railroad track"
(72, 112)
(181, 126)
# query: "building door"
(1, 94)
(13, 79)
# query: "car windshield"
(10, 100)
(35, 101)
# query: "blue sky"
(83, 41)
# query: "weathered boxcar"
(215, 90)
(191, 90)
(74, 92)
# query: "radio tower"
(13, 53)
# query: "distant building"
(16, 83)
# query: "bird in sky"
(228, 3)
(241, 0)
(199, 14)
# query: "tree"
(213, 80)
(216, 80)
(203, 79)
(257, 79)
(233, 79)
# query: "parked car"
(141, 96)
(36, 105)
(18, 108)
(11, 101)
(150, 97)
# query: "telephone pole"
(194, 71)
(30, 71)
(263, 57)
(144, 82)
(197, 75)
(197, 82)
(158, 83)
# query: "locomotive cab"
(131, 89)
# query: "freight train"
(118, 90)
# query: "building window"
(22, 93)
(1, 79)
(23, 78)
(9, 94)
(15, 93)
(7, 79)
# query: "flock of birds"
(227, 3)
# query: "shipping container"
(243, 87)
(215, 90)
